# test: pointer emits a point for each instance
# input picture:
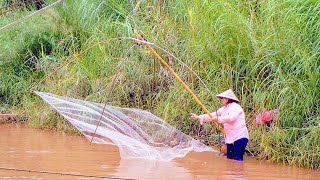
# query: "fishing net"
(137, 133)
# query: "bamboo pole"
(30, 15)
(7, 115)
(185, 86)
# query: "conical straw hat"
(228, 94)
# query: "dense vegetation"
(268, 52)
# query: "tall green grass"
(266, 51)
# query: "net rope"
(137, 133)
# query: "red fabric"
(266, 116)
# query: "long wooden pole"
(165, 64)
(30, 15)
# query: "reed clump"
(266, 51)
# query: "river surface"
(27, 153)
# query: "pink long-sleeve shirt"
(233, 119)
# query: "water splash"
(137, 133)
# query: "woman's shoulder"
(235, 105)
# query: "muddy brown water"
(27, 153)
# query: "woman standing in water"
(232, 117)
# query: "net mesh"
(137, 133)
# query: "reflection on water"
(27, 153)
